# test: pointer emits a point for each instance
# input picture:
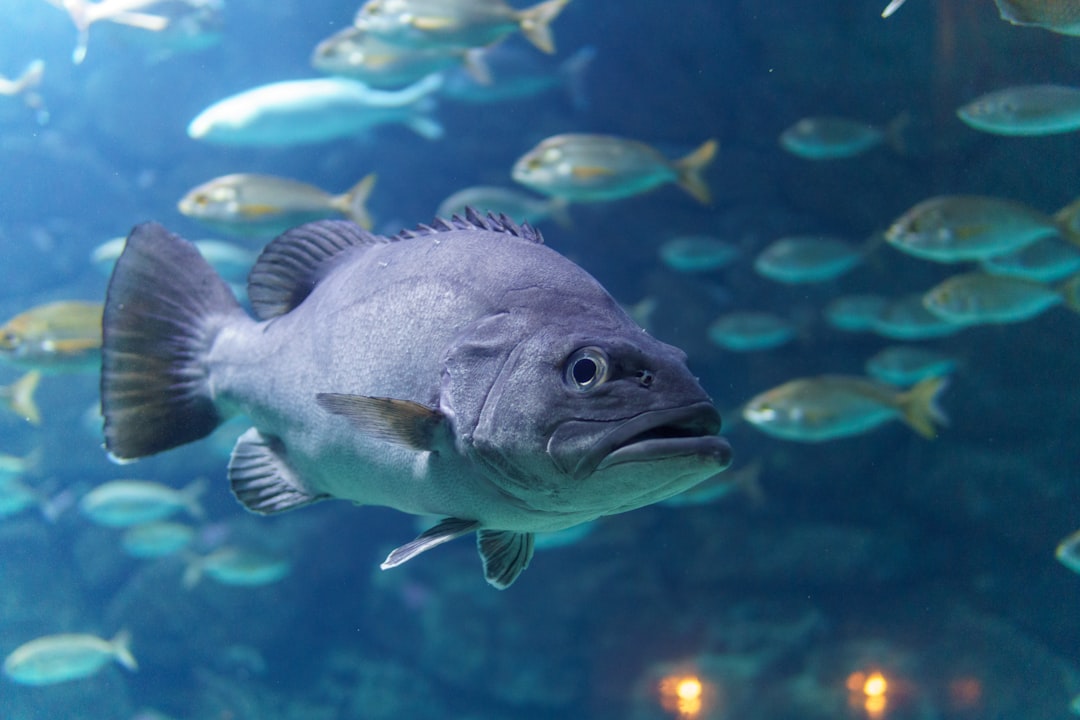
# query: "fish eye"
(201, 199)
(9, 339)
(586, 369)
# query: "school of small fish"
(394, 65)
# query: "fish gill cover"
(845, 566)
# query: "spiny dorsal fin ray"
(294, 262)
(447, 530)
(473, 220)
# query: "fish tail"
(21, 397)
(353, 204)
(1068, 221)
(536, 22)
(122, 651)
(573, 71)
(894, 132)
(920, 408)
(690, 169)
(559, 211)
(164, 307)
(1070, 293)
(191, 494)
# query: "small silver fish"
(599, 168)
(1045, 260)
(518, 206)
(907, 364)
(156, 539)
(855, 313)
(906, 318)
(57, 337)
(122, 503)
(960, 228)
(834, 406)
(979, 298)
(698, 253)
(750, 331)
(807, 259)
(1027, 110)
(59, 658)
(457, 23)
(237, 567)
(251, 204)
(232, 261)
(833, 138)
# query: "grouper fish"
(462, 369)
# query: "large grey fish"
(462, 370)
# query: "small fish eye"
(9, 339)
(586, 369)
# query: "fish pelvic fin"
(536, 23)
(403, 422)
(447, 530)
(691, 169)
(262, 479)
(164, 307)
(920, 409)
(121, 649)
(20, 397)
(505, 555)
(353, 204)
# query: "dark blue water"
(931, 562)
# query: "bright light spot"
(868, 692)
(682, 694)
(689, 689)
(875, 685)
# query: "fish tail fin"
(193, 570)
(892, 7)
(894, 132)
(536, 23)
(691, 168)
(121, 648)
(573, 72)
(559, 211)
(1068, 220)
(920, 408)
(164, 307)
(191, 494)
(143, 21)
(20, 397)
(353, 204)
(1070, 293)
(474, 60)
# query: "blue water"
(931, 562)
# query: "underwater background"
(929, 563)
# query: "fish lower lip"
(658, 434)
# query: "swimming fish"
(63, 336)
(855, 313)
(979, 298)
(235, 566)
(906, 318)
(1025, 110)
(250, 204)
(515, 73)
(959, 228)
(1044, 260)
(598, 168)
(156, 539)
(514, 204)
(807, 259)
(1060, 16)
(750, 331)
(84, 13)
(908, 364)
(698, 253)
(301, 112)
(461, 369)
(356, 53)
(457, 23)
(123, 503)
(834, 406)
(833, 138)
(59, 658)
(231, 261)
(19, 397)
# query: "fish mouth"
(660, 434)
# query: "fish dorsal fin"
(294, 262)
(473, 220)
(505, 554)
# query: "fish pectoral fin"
(398, 421)
(505, 554)
(447, 530)
(587, 172)
(261, 478)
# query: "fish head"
(215, 199)
(543, 167)
(567, 416)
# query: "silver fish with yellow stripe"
(63, 336)
(59, 658)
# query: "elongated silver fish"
(461, 370)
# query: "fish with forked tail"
(509, 396)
